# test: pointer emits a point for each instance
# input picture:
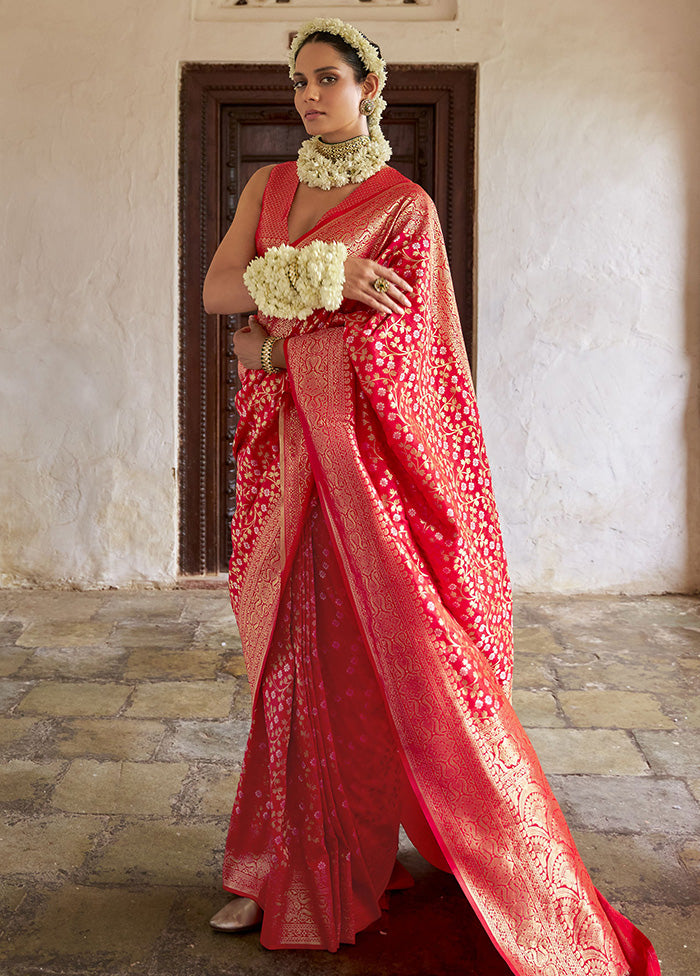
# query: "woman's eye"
(329, 78)
(297, 84)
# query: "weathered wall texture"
(588, 286)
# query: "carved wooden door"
(234, 119)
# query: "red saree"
(371, 591)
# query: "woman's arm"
(224, 292)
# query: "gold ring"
(381, 285)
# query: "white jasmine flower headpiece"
(366, 51)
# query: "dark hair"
(345, 50)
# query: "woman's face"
(326, 95)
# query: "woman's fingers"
(393, 278)
(399, 282)
(247, 343)
(360, 277)
(392, 305)
(237, 336)
(254, 327)
(394, 297)
(382, 302)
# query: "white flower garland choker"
(363, 156)
(326, 164)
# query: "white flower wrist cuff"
(290, 283)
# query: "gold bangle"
(266, 355)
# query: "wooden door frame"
(205, 88)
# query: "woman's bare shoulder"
(250, 201)
(237, 248)
(255, 187)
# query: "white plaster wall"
(589, 292)
(588, 297)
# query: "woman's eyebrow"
(329, 67)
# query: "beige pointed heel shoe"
(239, 915)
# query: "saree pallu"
(370, 587)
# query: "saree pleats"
(314, 830)
(370, 586)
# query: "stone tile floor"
(124, 720)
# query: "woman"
(368, 575)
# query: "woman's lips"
(312, 114)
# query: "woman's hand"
(247, 343)
(360, 273)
